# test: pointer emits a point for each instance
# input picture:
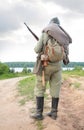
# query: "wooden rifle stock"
(43, 78)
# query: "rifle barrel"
(32, 32)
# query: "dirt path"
(16, 117)
(12, 115)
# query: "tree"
(12, 70)
(24, 70)
(4, 69)
(29, 70)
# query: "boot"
(39, 108)
(53, 113)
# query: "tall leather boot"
(39, 108)
(53, 113)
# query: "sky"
(17, 43)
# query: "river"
(20, 69)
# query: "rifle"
(43, 75)
(32, 32)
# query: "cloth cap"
(55, 20)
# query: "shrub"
(4, 69)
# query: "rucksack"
(54, 51)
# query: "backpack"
(54, 51)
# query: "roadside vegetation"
(77, 71)
(26, 89)
(6, 72)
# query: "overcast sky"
(17, 43)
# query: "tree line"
(31, 64)
(74, 64)
(20, 64)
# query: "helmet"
(55, 20)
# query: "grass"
(7, 76)
(22, 101)
(13, 75)
(76, 85)
(26, 89)
(39, 125)
(74, 72)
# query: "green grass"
(7, 76)
(39, 125)
(74, 72)
(22, 101)
(13, 75)
(26, 89)
(76, 85)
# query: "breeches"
(53, 76)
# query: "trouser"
(53, 76)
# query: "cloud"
(8, 21)
(14, 13)
(75, 5)
(17, 14)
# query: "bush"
(24, 70)
(29, 71)
(4, 69)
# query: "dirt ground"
(16, 117)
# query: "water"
(67, 68)
(20, 69)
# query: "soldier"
(53, 71)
